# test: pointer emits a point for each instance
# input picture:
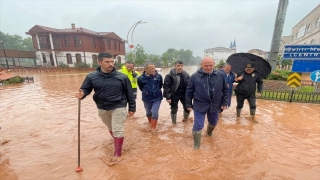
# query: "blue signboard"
(315, 76)
(305, 65)
(302, 52)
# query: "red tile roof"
(69, 30)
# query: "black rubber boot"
(174, 118)
(238, 112)
(210, 129)
(252, 112)
(196, 139)
(185, 116)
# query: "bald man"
(209, 91)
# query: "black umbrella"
(238, 62)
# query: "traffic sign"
(315, 76)
(305, 65)
(294, 79)
(302, 52)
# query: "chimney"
(73, 26)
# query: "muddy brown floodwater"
(38, 139)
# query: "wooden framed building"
(74, 45)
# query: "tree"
(16, 42)
(138, 56)
(220, 64)
(155, 59)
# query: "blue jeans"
(199, 119)
(152, 109)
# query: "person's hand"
(223, 107)
(130, 113)
(258, 94)
(134, 74)
(169, 101)
(240, 78)
(79, 94)
(189, 109)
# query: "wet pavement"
(38, 139)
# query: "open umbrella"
(238, 62)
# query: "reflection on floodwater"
(38, 139)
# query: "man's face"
(227, 69)
(106, 64)
(150, 69)
(249, 70)
(178, 68)
(129, 67)
(207, 65)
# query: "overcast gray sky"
(180, 24)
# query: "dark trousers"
(199, 118)
(174, 104)
(135, 92)
(251, 98)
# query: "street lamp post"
(5, 56)
(131, 45)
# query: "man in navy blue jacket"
(209, 91)
(150, 84)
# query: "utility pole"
(277, 32)
(5, 56)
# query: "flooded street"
(38, 139)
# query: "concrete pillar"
(52, 48)
(41, 59)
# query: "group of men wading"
(207, 92)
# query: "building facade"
(221, 53)
(74, 45)
(258, 52)
(306, 31)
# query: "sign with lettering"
(294, 79)
(302, 52)
(305, 65)
(315, 76)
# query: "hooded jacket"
(207, 91)
(150, 87)
(111, 90)
(172, 82)
(131, 75)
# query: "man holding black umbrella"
(246, 88)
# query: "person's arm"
(86, 87)
(140, 86)
(130, 95)
(190, 93)
(167, 87)
(224, 93)
(260, 84)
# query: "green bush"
(63, 65)
(5, 82)
(306, 89)
(15, 80)
(94, 65)
(82, 65)
(281, 75)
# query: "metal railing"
(291, 96)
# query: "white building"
(221, 53)
(307, 30)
